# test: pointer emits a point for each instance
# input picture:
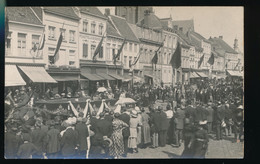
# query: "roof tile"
(65, 11)
(23, 15)
(92, 10)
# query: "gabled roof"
(23, 15)
(62, 11)
(153, 22)
(123, 28)
(111, 30)
(198, 36)
(189, 41)
(92, 10)
(185, 24)
(223, 45)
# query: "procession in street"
(80, 84)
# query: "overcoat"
(69, 142)
(82, 130)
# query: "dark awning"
(65, 77)
(118, 77)
(193, 75)
(201, 74)
(151, 76)
(12, 76)
(92, 77)
(106, 76)
(37, 74)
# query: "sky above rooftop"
(208, 21)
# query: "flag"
(211, 59)
(118, 53)
(201, 60)
(6, 27)
(155, 59)
(98, 49)
(237, 64)
(42, 42)
(135, 61)
(176, 57)
(56, 55)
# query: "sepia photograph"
(124, 82)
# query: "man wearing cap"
(39, 138)
(27, 149)
(163, 127)
(69, 140)
(219, 114)
(125, 132)
(53, 141)
(11, 142)
(238, 123)
(83, 133)
(209, 116)
(179, 120)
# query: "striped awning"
(193, 75)
(37, 74)
(12, 76)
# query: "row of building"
(83, 28)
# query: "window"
(130, 60)
(63, 31)
(100, 54)
(85, 50)
(108, 51)
(125, 46)
(35, 40)
(72, 63)
(130, 47)
(50, 55)
(8, 44)
(72, 36)
(22, 43)
(71, 57)
(51, 32)
(93, 47)
(135, 48)
(85, 26)
(100, 29)
(113, 52)
(125, 59)
(93, 27)
(135, 59)
(117, 52)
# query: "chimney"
(107, 12)
(146, 17)
(221, 37)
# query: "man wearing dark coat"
(11, 143)
(163, 127)
(179, 121)
(53, 141)
(219, 114)
(69, 142)
(125, 132)
(38, 137)
(27, 149)
(210, 117)
(155, 126)
(83, 133)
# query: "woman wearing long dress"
(117, 148)
(134, 123)
(146, 137)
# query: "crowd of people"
(190, 117)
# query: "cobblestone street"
(217, 149)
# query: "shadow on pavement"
(171, 155)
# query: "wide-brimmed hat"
(134, 113)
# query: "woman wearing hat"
(134, 123)
(117, 148)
